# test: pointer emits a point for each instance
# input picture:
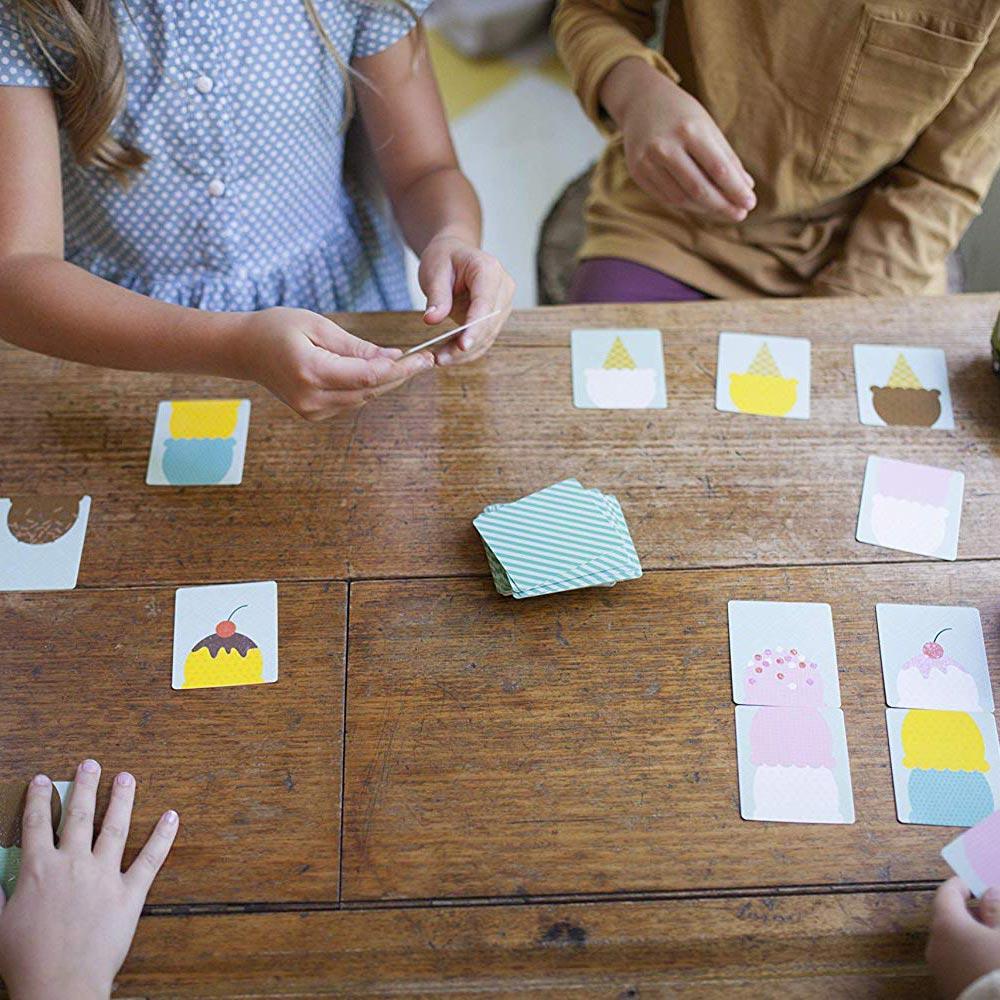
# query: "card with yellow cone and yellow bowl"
(225, 635)
(765, 375)
(199, 442)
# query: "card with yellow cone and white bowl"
(765, 375)
(618, 370)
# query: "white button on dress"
(216, 188)
(204, 84)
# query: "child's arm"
(674, 150)
(67, 928)
(54, 307)
(963, 947)
(434, 203)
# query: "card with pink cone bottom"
(974, 856)
(793, 765)
(911, 508)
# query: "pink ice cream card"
(793, 765)
(911, 508)
(974, 856)
(783, 653)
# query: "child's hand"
(67, 928)
(963, 946)
(674, 150)
(316, 367)
(464, 282)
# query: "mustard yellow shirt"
(872, 131)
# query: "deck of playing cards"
(563, 537)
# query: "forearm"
(440, 203)
(55, 308)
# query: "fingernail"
(125, 779)
(170, 817)
(40, 779)
(426, 363)
(467, 344)
(90, 766)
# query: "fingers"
(989, 907)
(729, 178)
(437, 286)
(78, 830)
(950, 905)
(114, 828)
(326, 334)
(337, 373)
(37, 835)
(154, 852)
(701, 190)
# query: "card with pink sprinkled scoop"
(783, 653)
(911, 508)
(934, 657)
(974, 856)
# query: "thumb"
(437, 286)
(989, 907)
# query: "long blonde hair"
(92, 93)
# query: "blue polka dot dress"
(247, 201)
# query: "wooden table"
(450, 791)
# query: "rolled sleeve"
(381, 25)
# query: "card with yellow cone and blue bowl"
(199, 442)
(563, 537)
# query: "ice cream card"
(199, 442)
(783, 653)
(226, 635)
(902, 386)
(618, 370)
(765, 375)
(974, 856)
(945, 765)
(912, 508)
(934, 657)
(12, 795)
(793, 765)
(41, 541)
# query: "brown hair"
(92, 93)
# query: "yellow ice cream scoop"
(203, 418)
(942, 741)
(761, 389)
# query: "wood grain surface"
(392, 492)
(537, 797)
(862, 944)
(586, 742)
(253, 771)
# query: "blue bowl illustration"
(197, 461)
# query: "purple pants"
(612, 279)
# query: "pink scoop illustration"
(934, 680)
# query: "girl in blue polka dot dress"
(175, 195)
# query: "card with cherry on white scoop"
(934, 657)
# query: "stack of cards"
(791, 742)
(561, 538)
(942, 735)
(41, 541)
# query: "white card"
(793, 765)
(783, 653)
(974, 856)
(618, 370)
(945, 765)
(766, 375)
(41, 541)
(934, 657)
(902, 386)
(199, 442)
(225, 635)
(912, 508)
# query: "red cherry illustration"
(933, 650)
(227, 629)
